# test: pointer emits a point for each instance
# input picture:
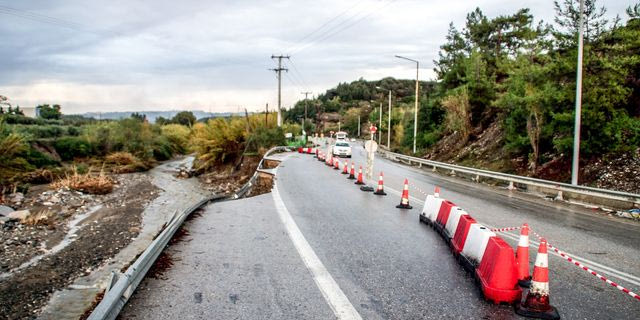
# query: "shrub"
(218, 141)
(178, 136)
(71, 147)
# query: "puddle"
(73, 225)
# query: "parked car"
(341, 149)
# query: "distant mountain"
(152, 115)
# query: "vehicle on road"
(353, 139)
(341, 135)
(341, 149)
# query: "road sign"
(373, 129)
(371, 146)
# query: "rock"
(4, 210)
(54, 199)
(47, 203)
(16, 197)
(4, 219)
(19, 215)
(625, 214)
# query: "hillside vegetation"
(505, 95)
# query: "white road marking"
(337, 300)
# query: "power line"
(297, 72)
(328, 35)
(50, 20)
(326, 23)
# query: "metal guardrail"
(247, 186)
(119, 293)
(122, 286)
(632, 198)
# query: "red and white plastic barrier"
(431, 208)
(462, 233)
(476, 243)
(452, 223)
(497, 273)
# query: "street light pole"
(389, 127)
(415, 114)
(380, 124)
(575, 168)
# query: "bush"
(263, 138)
(72, 147)
(178, 136)
(42, 131)
(218, 141)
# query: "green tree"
(46, 111)
(185, 118)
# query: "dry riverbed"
(76, 233)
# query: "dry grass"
(87, 183)
(121, 158)
(44, 217)
(125, 162)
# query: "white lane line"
(337, 300)
(611, 272)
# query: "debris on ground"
(43, 221)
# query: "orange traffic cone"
(380, 190)
(404, 201)
(522, 257)
(436, 192)
(336, 165)
(316, 153)
(359, 181)
(346, 168)
(536, 305)
(352, 174)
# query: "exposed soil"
(100, 236)
(484, 149)
(263, 185)
(228, 178)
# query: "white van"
(341, 135)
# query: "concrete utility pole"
(575, 168)
(306, 100)
(279, 70)
(266, 116)
(415, 115)
(358, 126)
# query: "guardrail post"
(511, 186)
(433, 169)
(419, 164)
(559, 197)
(453, 173)
(478, 178)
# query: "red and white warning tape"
(505, 229)
(585, 268)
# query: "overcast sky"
(122, 55)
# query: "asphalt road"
(318, 247)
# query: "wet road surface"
(244, 261)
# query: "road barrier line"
(585, 268)
(337, 300)
(505, 229)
